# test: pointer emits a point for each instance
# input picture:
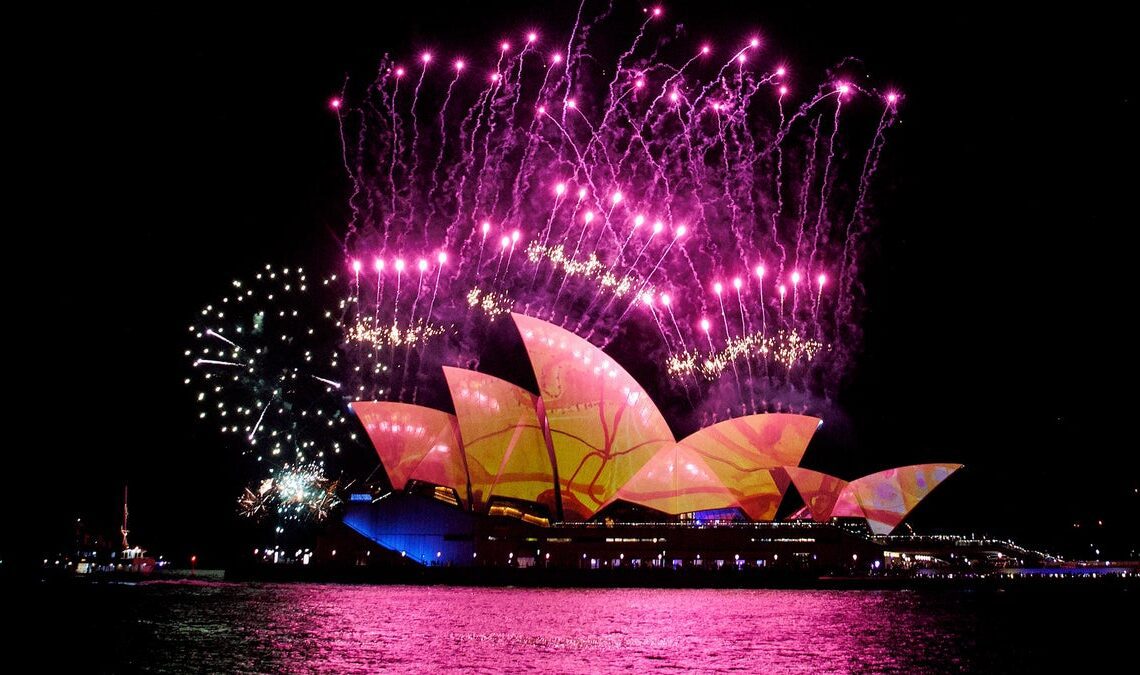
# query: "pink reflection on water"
(331, 628)
(207, 626)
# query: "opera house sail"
(513, 470)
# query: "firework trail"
(733, 172)
(634, 186)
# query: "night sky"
(175, 158)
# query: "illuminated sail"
(415, 443)
(847, 504)
(820, 492)
(888, 496)
(677, 480)
(603, 426)
(747, 452)
(503, 439)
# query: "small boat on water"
(130, 560)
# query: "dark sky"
(170, 159)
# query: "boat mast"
(124, 529)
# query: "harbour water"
(199, 626)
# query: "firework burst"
(263, 373)
(534, 183)
(267, 369)
(699, 198)
(292, 493)
(785, 349)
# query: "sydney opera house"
(587, 474)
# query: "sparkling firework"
(697, 194)
(590, 268)
(266, 370)
(687, 164)
(394, 335)
(786, 349)
(492, 304)
(264, 375)
(293, 493)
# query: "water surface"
(220, 627)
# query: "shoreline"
(665, 579)
(504, 577)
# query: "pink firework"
(602, 195)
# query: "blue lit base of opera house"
(587, 475)
(416, 531)
(432, 533)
